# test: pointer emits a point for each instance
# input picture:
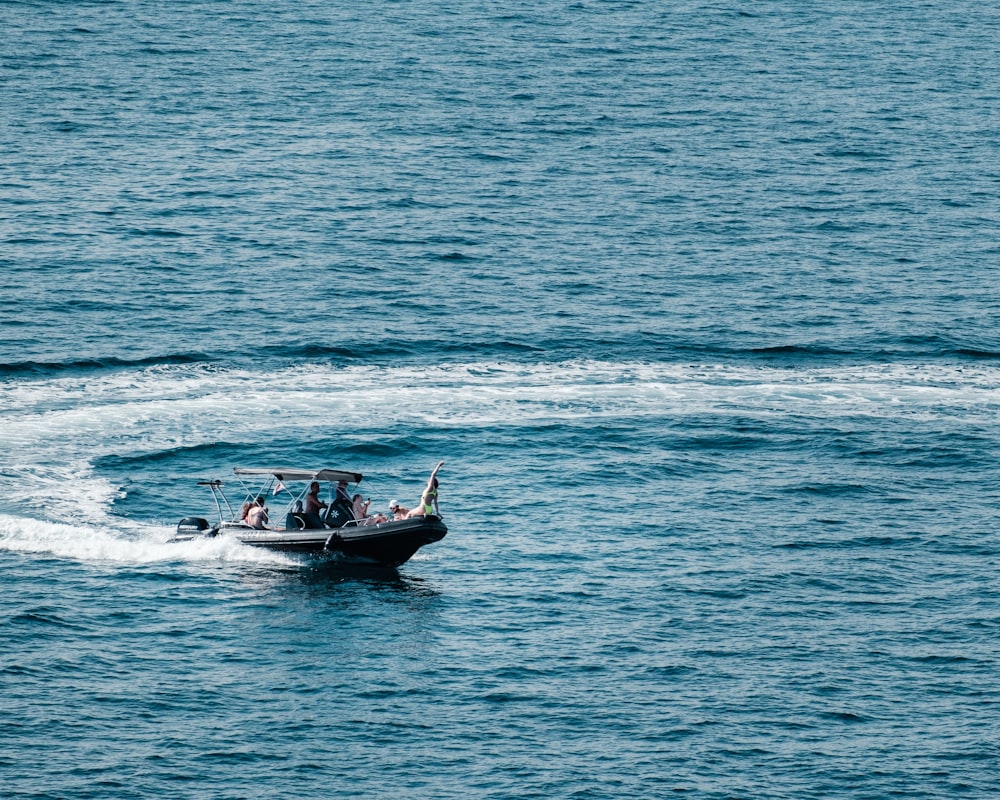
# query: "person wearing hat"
(343, 496)
(398, 511)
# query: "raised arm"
(431, 486)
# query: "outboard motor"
(190, 527)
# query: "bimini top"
(303, 474)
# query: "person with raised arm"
(429, 499)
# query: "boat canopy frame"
(326, 475)
(273, 483)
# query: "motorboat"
(336, 530)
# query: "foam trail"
(195, 401)
(97, 544)
(53, 430)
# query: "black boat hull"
(386, 543)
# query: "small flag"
(280, 488)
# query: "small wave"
(409, 202)
(856, 153)
(670, 671)
(863, 542)
(395, 351)
(808, 544)
(946, 660)
(799, 351)
(42, 617)
(41, 368)
(159, 233)
(978, 355)
(69, 126)
(830, 489)
(848, 717)
(220, 451)
(494, 157)
(854, 543)
(648, 346)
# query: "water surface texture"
(696, 301)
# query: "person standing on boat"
(313, 503)
(257, 515)
(429, 499)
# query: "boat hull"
(386, 543)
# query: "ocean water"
(697, 301)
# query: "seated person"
(343, 496)
(360, 508)
(398, 511)
(257, 515)
(429, 499)
(341, 510)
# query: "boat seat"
(338, 515)
(311, 521)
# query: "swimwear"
(426, 500)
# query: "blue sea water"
(696, 300)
